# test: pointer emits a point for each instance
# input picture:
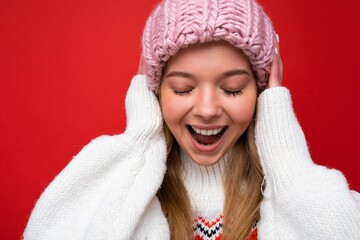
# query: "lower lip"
(206, 148)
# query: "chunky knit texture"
(205, 189)
(108, 191)
(176, 24)
(204, 185)
(302, 200)
(105, 189)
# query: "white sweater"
(108, 191)
(204, 185)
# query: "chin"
(205, 160)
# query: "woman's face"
(208, 98)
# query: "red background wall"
(65, 67)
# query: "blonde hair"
(242, 188)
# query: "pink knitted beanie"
(176, 24)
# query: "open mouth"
(206, 137)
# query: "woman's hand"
(141, 69)
(276, 70)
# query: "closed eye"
(233, 92)
(182, 92)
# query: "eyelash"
(228, 92)
(233, 93)
(181, 93)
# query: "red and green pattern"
(212, 230)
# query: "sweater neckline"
(202, 179)
(204, 185)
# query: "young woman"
(212, 151)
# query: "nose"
(207, 105)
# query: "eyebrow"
(179, 74)
(236, 72)
(225, 74)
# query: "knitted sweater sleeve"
(302, 200)
(104, 191)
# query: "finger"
(279, 59)
(141, 69)
(281, 69)
(275, 78)
(274, 72)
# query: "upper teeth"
(207, 132)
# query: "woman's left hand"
(276, 70)
(141, 69)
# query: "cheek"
(173, 110)
(243, 111)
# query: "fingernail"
(277, 38)
(276, 51)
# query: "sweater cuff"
(143, 114)
(279, 139)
